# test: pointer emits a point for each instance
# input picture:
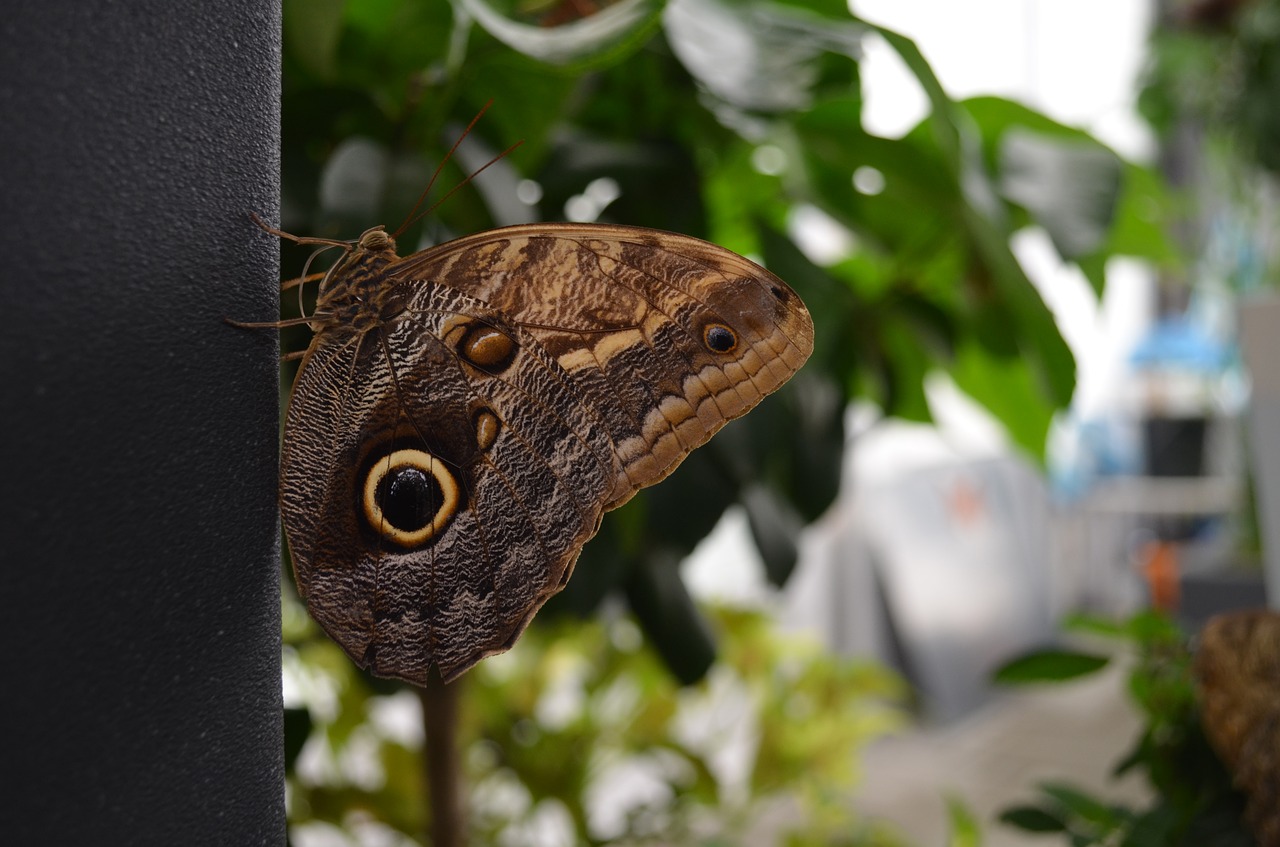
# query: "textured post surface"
(138, 533)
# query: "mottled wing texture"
(537, 376)
(528, 501)
(623, 311)
(1238, 678)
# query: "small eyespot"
(487, 426)
(719, 338)
(409, 496)
(487, 347)
(778, 293)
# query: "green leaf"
(668, 616)
(1048, 666)
(1152, 629)
(1032, 819)
(311, 32)
(1095, 625)
(775, 528)
(1083, 806)
(943, 119)
(758, 55)
(1070, 187)
(603, 36)
(905, 365)
(934, 226)
(603, 563)
(994, 117)
(297, 729)
(806, 462)
(833, 305)
(1071, 184)
(1051, 360)
(916, 210)
(364, 183)
(657, 181)
(385, 43)
(688, 504)
(1144, 218)
(965, 831)
(935, 210)
(529, 98)
(1008, 388)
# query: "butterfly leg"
(302, 280)
(296, 239)
(272, 324)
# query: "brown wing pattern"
(465, 415)
(624, 312)
(519, 519)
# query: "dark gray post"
(139, 576)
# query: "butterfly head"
(376, 240)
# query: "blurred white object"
(944, 571)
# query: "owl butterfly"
(465, 415)
(1237, 668)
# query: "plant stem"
(443, 762)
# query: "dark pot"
(1175, 446)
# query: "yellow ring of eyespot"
(428, 464)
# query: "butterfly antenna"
(409, 218)
(465, 182)
(414, 214)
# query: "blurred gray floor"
(994, 758)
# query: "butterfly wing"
(435, 495)
(668, 337)
(444, 466)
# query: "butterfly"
(465, 415)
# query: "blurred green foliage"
(1218, 65)
(1209, 92)
(740, 122)
(578, 713)
(734, 120)
(1194, 803)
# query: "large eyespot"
(409, 496)
(719, 338)
(487, 347)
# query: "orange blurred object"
(1159, 567)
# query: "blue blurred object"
(1083, 451)
(1177, 344)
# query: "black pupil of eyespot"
(409, 498)
(720, 339)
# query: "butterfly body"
(465, 415)
(354, 295)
